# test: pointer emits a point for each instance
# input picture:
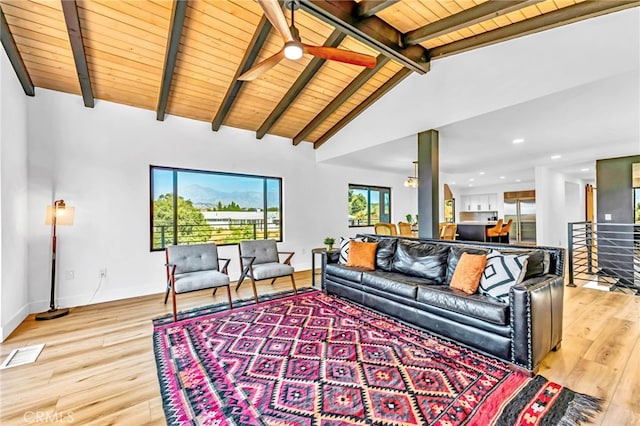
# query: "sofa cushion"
(394, 283)
(362, 255)
(475, 305)
(384, 254)
(468, 272)
(344, 248)
(421, 259)
(537, 263)
(346, 272)
(502, 272)
(454, 257)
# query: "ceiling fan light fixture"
(293, 50)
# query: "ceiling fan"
(294, 48)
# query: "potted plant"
(409, 219)
(329, 241)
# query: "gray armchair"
(195, 267)
(260, 260)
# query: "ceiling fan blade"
(274, 14)
(340, 55)
(262, 67)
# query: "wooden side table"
(314, 252)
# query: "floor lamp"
(57, 214)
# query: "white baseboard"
(13, 323)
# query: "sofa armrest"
(536, 319)
(332, 256)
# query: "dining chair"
(404, 229)
(194, 267)
(504, 232)
(494, 232)
(449, 232)
(441, 227)
(383, 228)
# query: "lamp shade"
(64, 216)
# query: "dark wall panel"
(615, 197)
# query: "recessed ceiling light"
(453, 183)
(518, 180)
(501, 177)
(471, 179)
(518, 140)
(586, 169)
(556, 156)
(481, 173)
(470, 184)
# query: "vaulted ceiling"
(184, 57)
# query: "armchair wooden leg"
(175, 311)
(293, 283)
(166, 295)
(255, 292)
(229, 296)
(214, 291)
(242, 277)
(273, 281)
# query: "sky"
(163, 182)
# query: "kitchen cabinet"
(479, 202)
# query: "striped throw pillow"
(344, 248)
(502, 272)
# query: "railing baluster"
(571, 254)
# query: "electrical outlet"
(103, 273)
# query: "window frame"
(175, 194)
(382, 190)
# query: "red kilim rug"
(315, 359)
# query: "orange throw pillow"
(467, 275)
(362, 255)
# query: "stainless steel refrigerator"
(522, 210)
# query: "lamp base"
(52, 314)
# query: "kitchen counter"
(474, 231)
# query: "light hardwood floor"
(98, 365)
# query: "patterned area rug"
(314, 359)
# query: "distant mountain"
(202, 196)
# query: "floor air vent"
(22, 356)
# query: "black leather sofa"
(521, 332)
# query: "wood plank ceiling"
(183, 57)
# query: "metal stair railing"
(607, 254)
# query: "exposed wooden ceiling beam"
(175, 32)
(70, 10)
(466, 18)
(346, 93)
(566, 15)
(382, 90)
(17, 63)
(372, 31)
(368, 8)
(250, 56)
(307, 75)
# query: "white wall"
(559, 200)
(13, 202)
(504, 74)
(98, 160)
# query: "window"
(369, 205)
(195, 206)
